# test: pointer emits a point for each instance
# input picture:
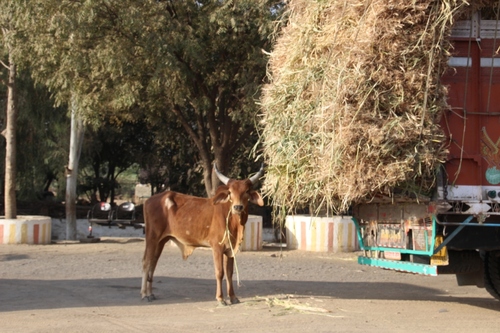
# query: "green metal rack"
(407, 266)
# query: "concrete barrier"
(26, 230)
(252, 238)
(82, 230)
(321, 234)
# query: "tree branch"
(241, 139)
(4, 65)
(192, 134)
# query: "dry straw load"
(354, 99)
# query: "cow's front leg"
(219, 275)
(229, 268)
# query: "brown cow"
(191, 222)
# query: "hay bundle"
(354, 100)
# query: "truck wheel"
(492, 273)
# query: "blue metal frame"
(405, 265)
(428, 251)
(453, 234)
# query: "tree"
(211, 74)
(169, 164)
(75, 149)
(43, 149)
(108, 151)
(11, 116)
(55, 62)
(200, 63)
(10, 136)
(30, 164)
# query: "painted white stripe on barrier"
(321, 234)
(252, 238)
(26, 230)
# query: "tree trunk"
(219, 150)
(111, 181)
(10, 149)
(207, 177)
(222, 161)
(210, 178)
(75, 148)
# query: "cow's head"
(238, 192)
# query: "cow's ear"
(221, 197)
(256, 198)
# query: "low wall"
(321, 234)
(82, 230)
(252, 238)
(26, 230)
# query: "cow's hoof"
(149, 298)
(221, 303)
(235, 301)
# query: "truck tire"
(492, 273)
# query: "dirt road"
(73, 287)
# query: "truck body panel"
(457, 230)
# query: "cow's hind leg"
(151, 255)
(229, 267)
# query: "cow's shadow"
(19, 294)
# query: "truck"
(456, 230)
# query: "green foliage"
(108, 151)
(112, 52)
(191, 70)
(43, 133)
(169, 159)
(42, 145)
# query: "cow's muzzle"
(237, 209)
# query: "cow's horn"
(259, 174)
(221, 177)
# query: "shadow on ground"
(22, 294)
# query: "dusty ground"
(73, 287)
